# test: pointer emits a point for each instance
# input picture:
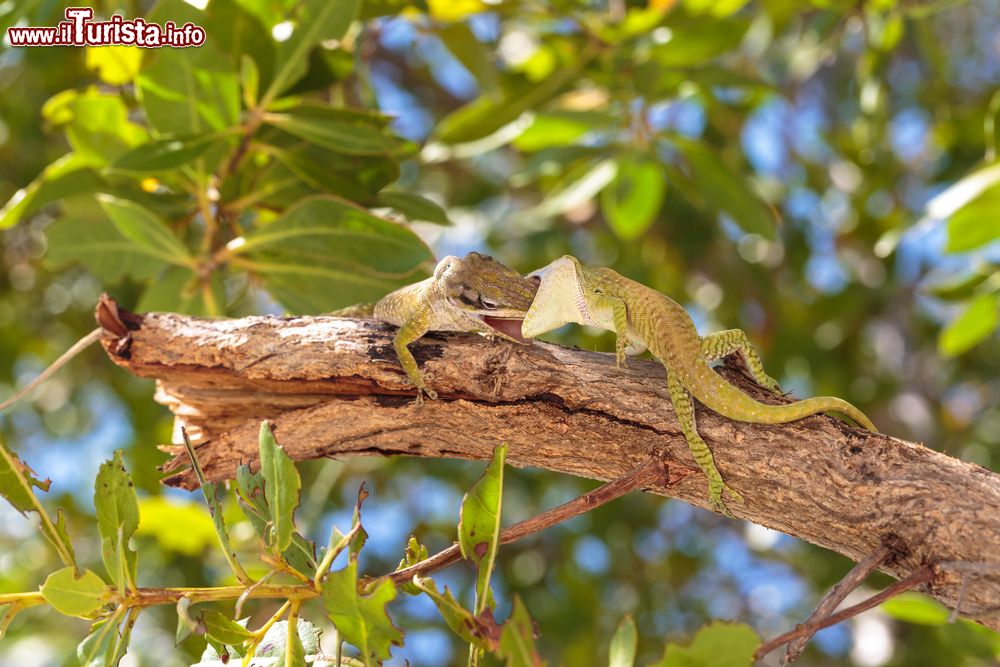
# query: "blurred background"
(820, 174)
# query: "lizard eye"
(598, 291)
(488, 304)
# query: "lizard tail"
(359, 310)
(720, 396)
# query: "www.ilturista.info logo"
(79, 30)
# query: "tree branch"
(924, 574)
(333, 388)
(647, 474)
(837, 594)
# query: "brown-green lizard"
(643, 319)
(473, 293)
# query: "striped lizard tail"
(717, 394)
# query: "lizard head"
(560, 297)
(487, 290)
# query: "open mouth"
(510, 327)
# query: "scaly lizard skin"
(643, 318)
(474, 293)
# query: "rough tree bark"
(334, 389)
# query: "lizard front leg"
(412, 329)
(684, 407)
(620, 315)
(715, 346)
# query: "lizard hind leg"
(684, 407)
(717, 345)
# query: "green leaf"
(487, 114)
(281, 488)
(481, 632)
(695, 40)
(66, 177)
(188, 91)
(350, 137)
(715, 8)
(223, 629)
(165, 154)
(414, 553)
(976, 322)
(560, 128)
(976, 223)
(717, 644)
(916, 608)
(124, 636)
(355, 177)
(633, 200)
(117, 519)
(245, 41)
(623, 644)
(479, 526)
(87, 236)
(146, 231)
(17, 484)
(324, 254)
(301, 555)
(186, 626)
(517, 638)
(413, 206)
(178, 289)
(726, 191)
(965, 190)
(275, 641)
(468, 50)
(115, 65)
(578, 186)
(964, 286)
(97, 124)
(316, 21)
(354, 540)
(361, 617)
(98, 649)
(74, 594)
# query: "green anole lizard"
(643, 319)
(473, 293)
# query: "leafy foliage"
(716, 645)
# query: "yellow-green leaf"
(223, 629)
(717, 644)
(115, 65)
(74, 595)
(632, 200)
(479, 526)
(117, 519)
(360, 617)
(17, 484)
(281, 488)
(976, 322)
(517, 638)
(623, 644)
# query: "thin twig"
(953, 616)
(644, 475)
(836, 596)
(921, 576)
